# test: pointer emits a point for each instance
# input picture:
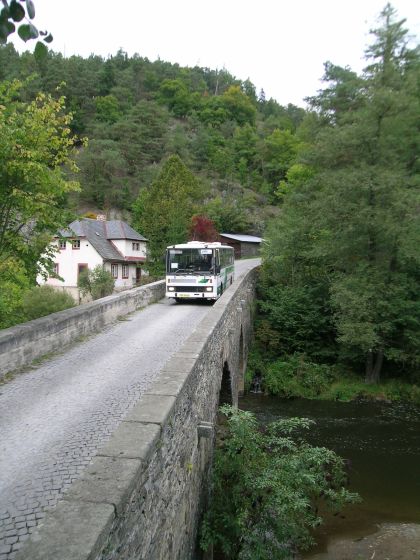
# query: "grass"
(295, 376)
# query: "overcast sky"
(279, 45)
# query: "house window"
(125, 270)
(62, 243)
(135, 246)
(56, 268)
(75, 244)
(114, 270)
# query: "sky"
(280, 46)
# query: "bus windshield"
(190, 261)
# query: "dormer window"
(135, 246)
(75, 243)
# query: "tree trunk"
(374, 366)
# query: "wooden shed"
(244, 245)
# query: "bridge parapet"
(143, 494)
(21, 344)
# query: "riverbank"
(391, 541)
(295, 376)
(379, 441)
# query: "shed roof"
(242, 237)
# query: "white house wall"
(120, 282)
(68, 260)
(125, 247)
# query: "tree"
(163, 211)
(13, 285)
(98, 282)
(228, 214)
(279, 151)
(351, 228)
(35, 146)
(103, 169)
(267, 487)
(176, 95)
(107, 109)
(202, 229)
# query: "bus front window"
(189, 261)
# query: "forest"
(332, 188)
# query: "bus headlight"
(171, 289)
(209, 288)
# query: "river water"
(382, 445)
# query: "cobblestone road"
(54, 418)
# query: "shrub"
(296, 377)
(12, 288)
(97, 282)
(267, 489)
(43, 300)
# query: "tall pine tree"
(163, 212)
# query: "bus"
(198, 270)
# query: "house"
(87, 243)
(244, 245)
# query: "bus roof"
(200, 245)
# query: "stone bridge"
(143, 494)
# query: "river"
(382, 445)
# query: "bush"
(97, 282)
(13, 284)
(268, 487)
(296, 377)
(43, 300)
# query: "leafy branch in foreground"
(22, 12)
(268, 486)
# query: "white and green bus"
(198, 270)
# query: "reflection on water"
(382, 445)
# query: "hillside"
(136, 113)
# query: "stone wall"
(143, 494)
(21, 344)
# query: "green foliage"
(392, 390)
(35, 145)
(341, 268)
(267, 488)
(296, 319)
(227, 214)
(295, 376)
(43, 300)
(176, 95)
(280, 149)
(163, 212)
(15, 11)
(137, 113)
(98, 282)
(13, 285)
(107, 109)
